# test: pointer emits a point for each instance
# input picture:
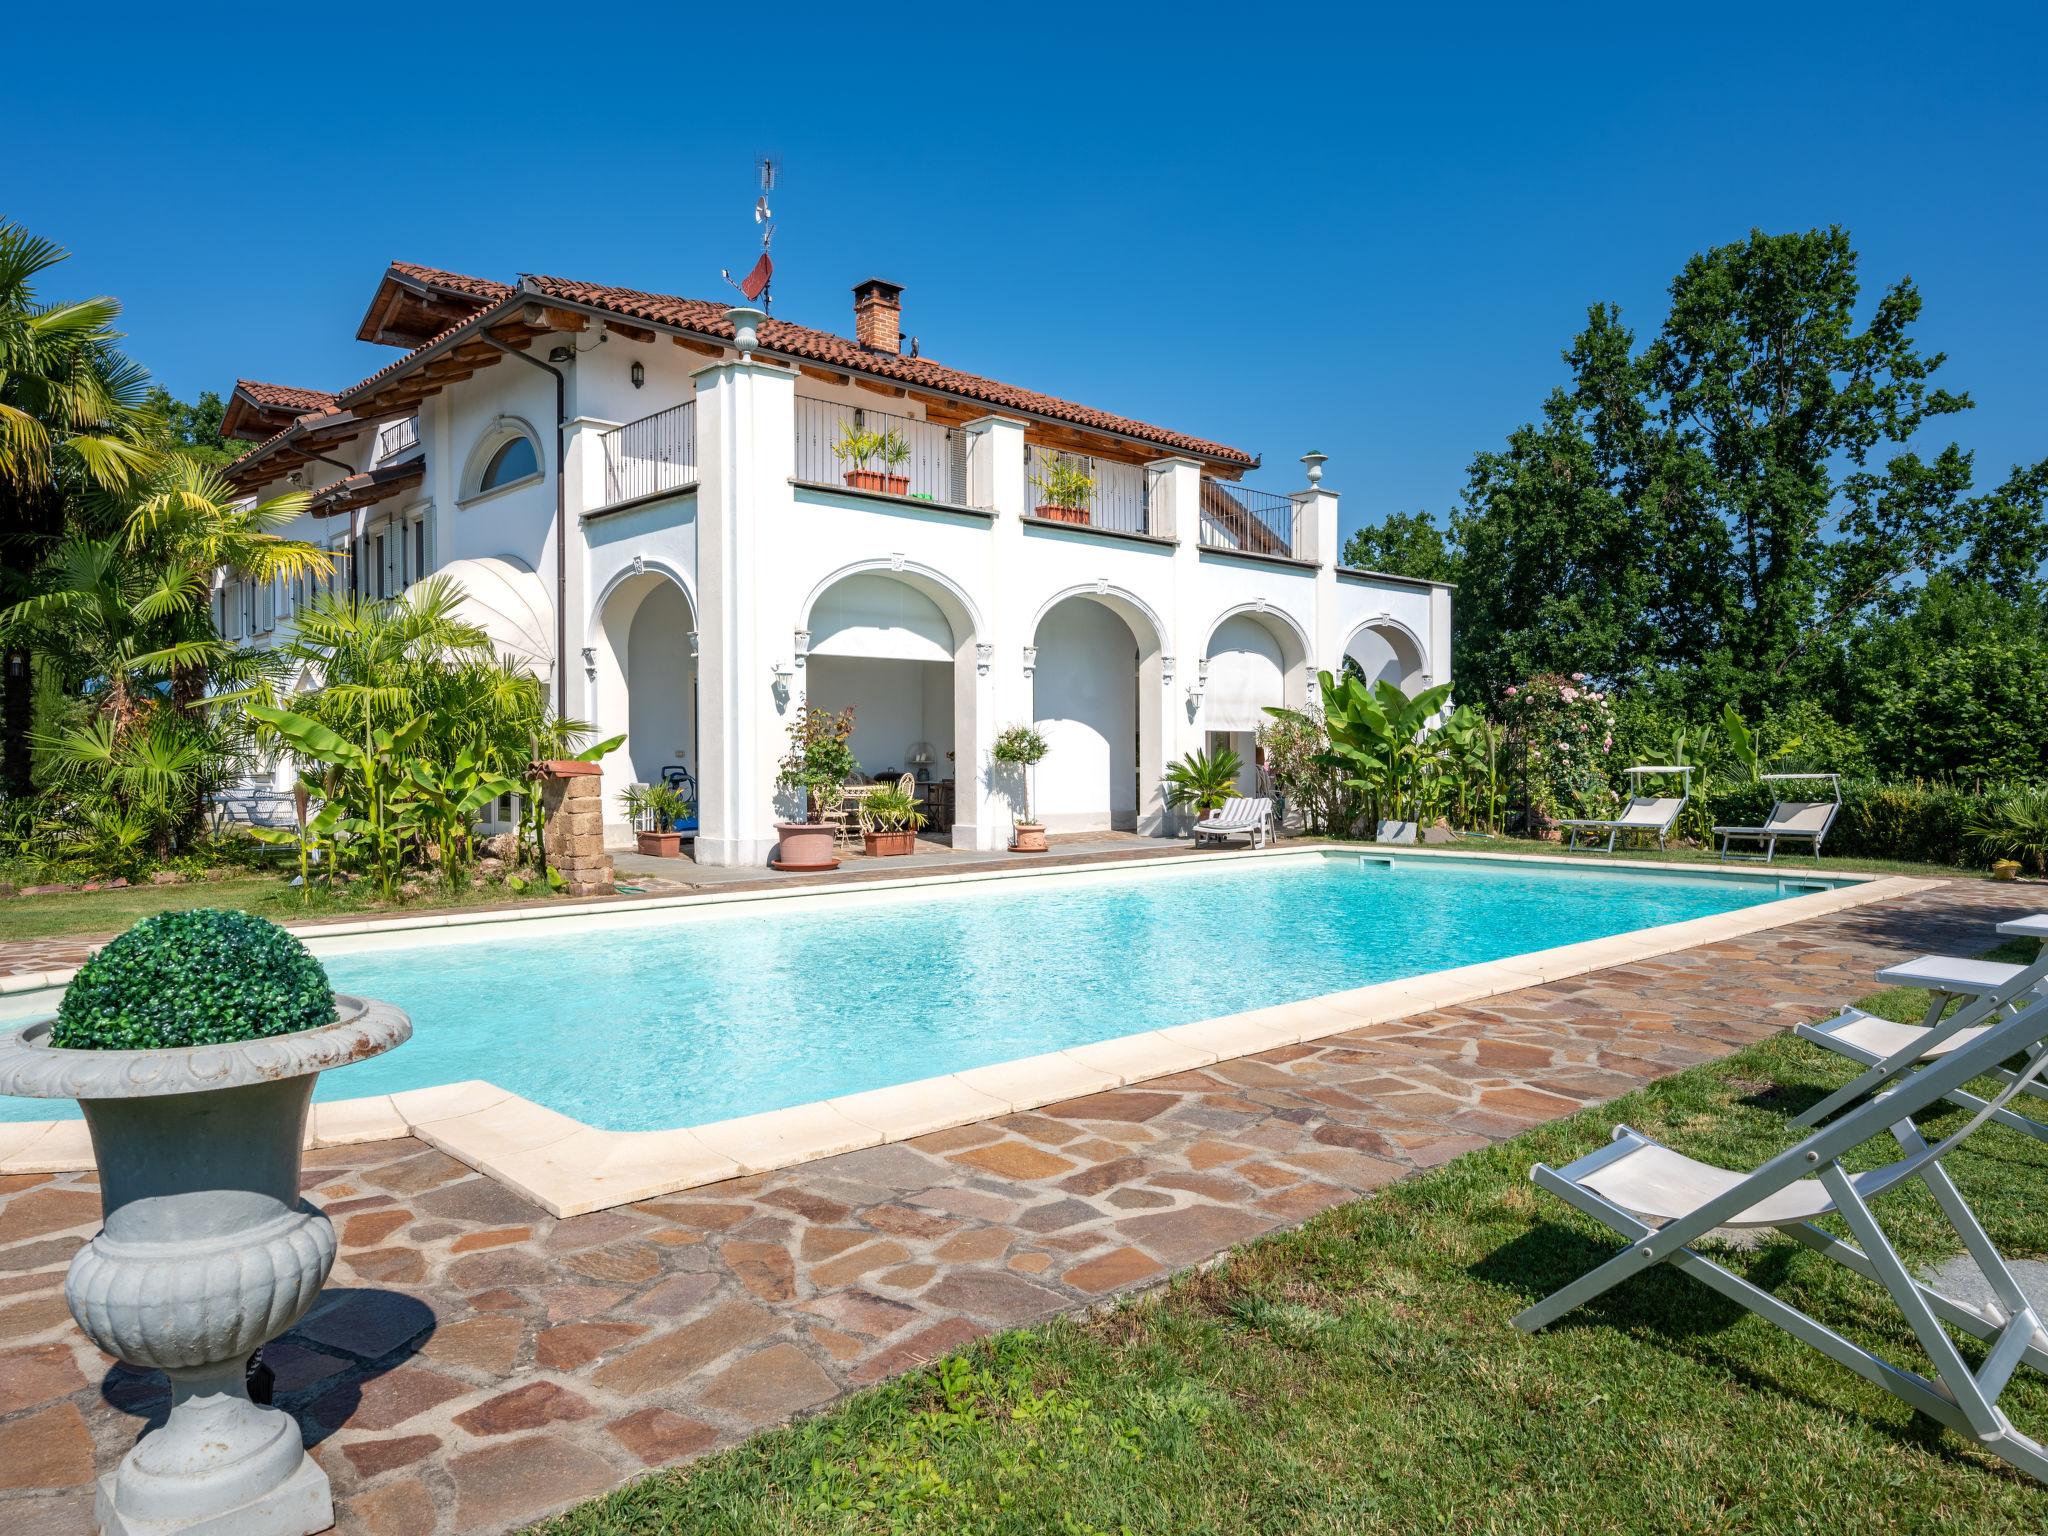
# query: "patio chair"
(1661, 1202)
(1790, 820)
(1888, 1049)
(1653, 814)
(1240, 816)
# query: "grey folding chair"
(1662, 1202)
(1888, 1049)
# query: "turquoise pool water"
(672, 1023)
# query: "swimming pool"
(701, 1014)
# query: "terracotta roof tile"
(707, 317)
(285, 397)
(455, 282)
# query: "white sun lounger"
(1653, 814)
(1888, 1049)
(1240, 816)
(1790, 820)
(1661, 1202)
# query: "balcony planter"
(1028, 838)
(659, 845)
(1058, 514)
(890, 845)
(207, 1252)
(868, 480)
(803, 845)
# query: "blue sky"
(1369, 234)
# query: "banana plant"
(1379, 730)
(448, 801)
(1746, 746)
(310, 835)
(370, 778)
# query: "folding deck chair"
(1888, 1049)
(1240, 816)
(1662, 1202)
(1653, 814)
(1790, 820)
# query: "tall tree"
(71, 421)
(1404, 544)
(1714, 513)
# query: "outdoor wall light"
(639, 373)
(781, 673)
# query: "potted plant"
(894, 452)
(1021, 747)
(664, 805)
(815, 771)
(1066, 488)
(1202, 781)
(859, 447)
(192, 1043)
(890, 820)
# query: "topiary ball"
(203, 977)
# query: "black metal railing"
(654, 454)
(394, 437)
(867, 450)
(1253, 522)
(1095, 493)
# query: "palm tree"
(71, 419)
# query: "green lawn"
(1360, 1375)
(97, 913)
(1787, 861)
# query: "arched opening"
(1095, 692)
(646, 686)
(1382, 650)
(898, 649)
(1254, 661)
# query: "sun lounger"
(1651, 814)
(1790, 820)
(1889, 1049)
(1240, 816)
(1661, 1203)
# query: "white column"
(746, 450)
(1001, 697)
(1177, 487)
(1437, 664)
(1315, 521)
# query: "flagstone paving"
(476, 1364)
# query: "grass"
(1791, 863)
(1360, 1376)
(95, 913)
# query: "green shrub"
(1925, 823)
(200, 977)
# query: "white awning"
(871, 615)
(1246, 674)
(508, 602)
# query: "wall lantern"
(639, 373)
(781, 673)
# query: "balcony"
(1243, 521)
(652, 456)
(394, 437)
(864, 450)
(1088, 492)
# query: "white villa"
(643, 499)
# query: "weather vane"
(754, 286)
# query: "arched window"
(515, 459)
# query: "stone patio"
(476, 1364)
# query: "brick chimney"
(878, 316)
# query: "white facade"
(718, 572)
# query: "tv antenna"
(754, 286)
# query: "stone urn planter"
(803, 845)
(207, 1252)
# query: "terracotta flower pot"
(867, 480)
(1055, 514)
(1029, 838)
(804, 845)
(889, 845)
(898, 485)
(660, 845)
